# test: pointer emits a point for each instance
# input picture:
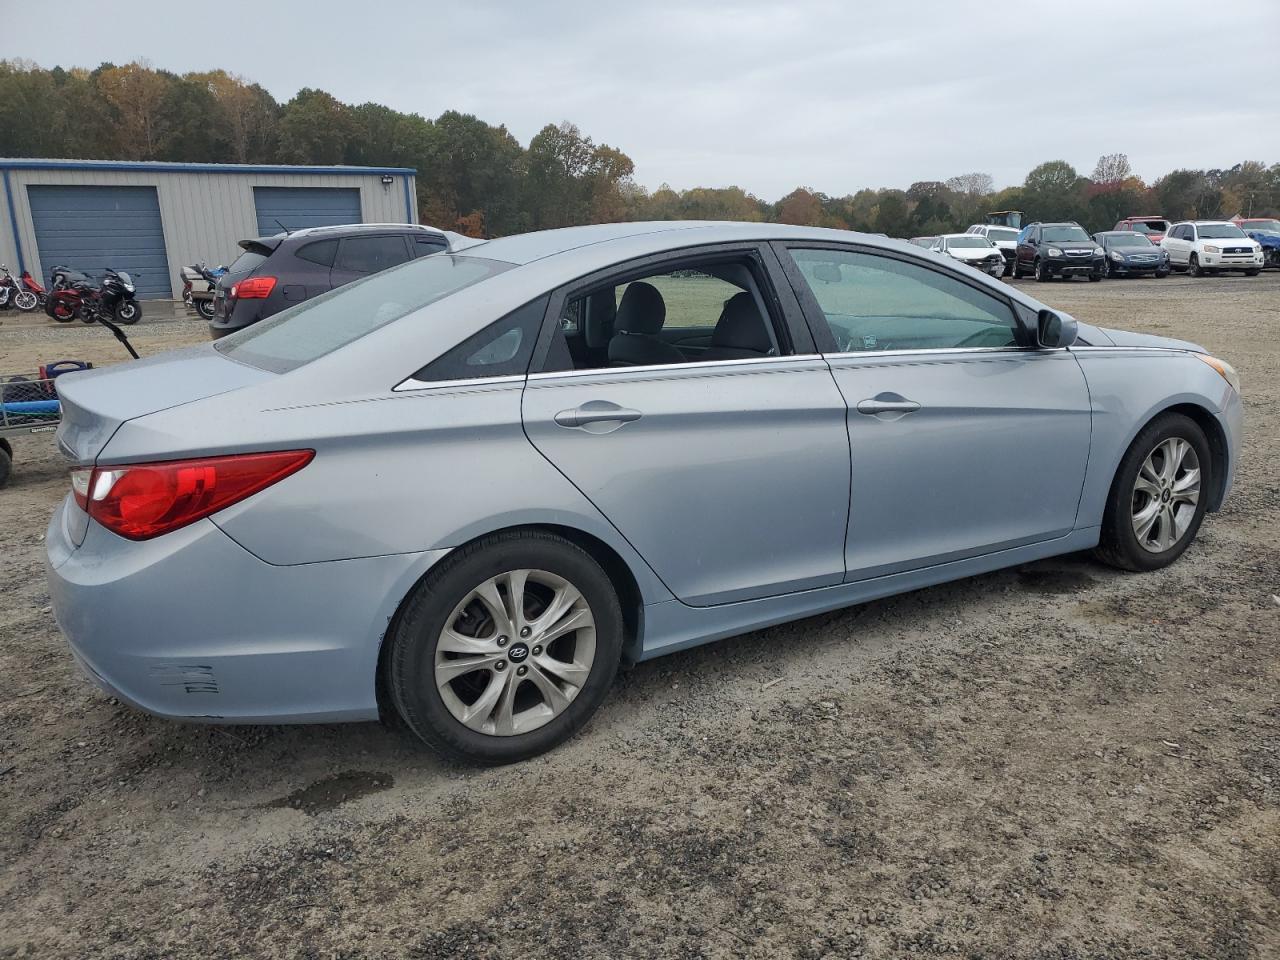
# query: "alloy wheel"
(1165, 495)
(515, 652)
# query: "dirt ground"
(1058, 761)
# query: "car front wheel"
(1043, 274)
(507, 649)
(1158, 497)
(1193, 266)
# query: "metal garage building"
(151, 219)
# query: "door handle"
(599, 412)
(887, 403)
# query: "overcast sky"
(831, 95)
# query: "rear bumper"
(192, 626)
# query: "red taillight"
(255, 288)
(144, 500)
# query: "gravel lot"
(1058, 761)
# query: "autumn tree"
(136, 94)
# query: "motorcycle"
(63, 276)
(32, 286)
(201, 302)
(15, 294)
(115, 299)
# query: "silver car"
(463, 490)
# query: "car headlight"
(1099, 252)
(1117, 257)
(1210, 248)
(1227, 371)
(1054, 252)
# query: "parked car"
(1005, 239)
(1266, 233)
(463, 489)
(1154, 227)
(286, 269)
(1130, 253)
(1210, 246)
(923, 241)
(978, 252)
(1048, 250)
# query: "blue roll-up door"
(298, 207)
(91, 228)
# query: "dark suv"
(276, 272)
(1048, 250)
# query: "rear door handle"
(600, 413)
(900, 405)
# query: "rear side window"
(425, 246)
(501, 349)
(371, 254)
(321, 252)
(312, 329)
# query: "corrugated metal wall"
(204, 214)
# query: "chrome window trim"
(936, 351)
(472, 382)
(695, 365)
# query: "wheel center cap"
(518, 653)
(1166, 495)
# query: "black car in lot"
(1048, 250)
(279, 271)
(1130, 253)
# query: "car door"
(1028, 247)
(964, 438)
(1180, 244)
(365, 254)
(730, 477)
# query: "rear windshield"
(312, 329)
(246, 263)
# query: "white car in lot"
(978, 252)
(1005, 239)
(1207, 246)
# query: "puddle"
(334, 791)
(1054, 581)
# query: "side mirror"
(1054, 331)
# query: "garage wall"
(204, 214)
(299, 207)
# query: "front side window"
(371, 254)
(872, 302)
(698, 311)
(319, 326)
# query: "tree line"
(477, 178)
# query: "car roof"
(951, 236)
(1154, 216)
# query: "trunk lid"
(95, 403)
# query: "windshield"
(312, 329)
(1262, 226)
(1219, 231)
(1002, 233)
(1127, 240)
(1064, 234)
(966, 242)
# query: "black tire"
(1247, 273)
(59, 312)
(1095, 276)
(6, 463)
(1118, 545)
(128, 312)
(1014, 272)
(1193, 266)
(1161, 274)
(205, 308)
(1042, 273)
(1107, 271)
(416, 631)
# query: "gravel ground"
(1058, 761)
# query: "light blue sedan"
(464, 489)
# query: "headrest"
(827, 272)
(642, 310)
(741, 326)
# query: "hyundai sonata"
(463, 490)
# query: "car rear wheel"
(507, 649)
(1159, 496)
